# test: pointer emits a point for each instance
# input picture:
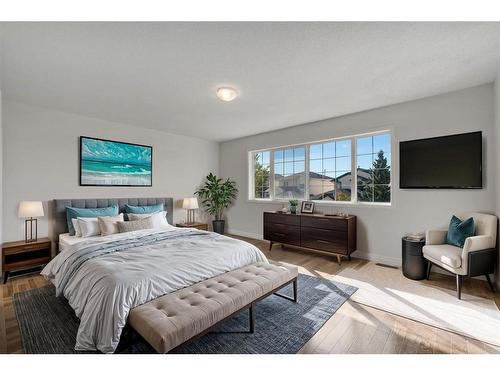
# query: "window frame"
(354, 161)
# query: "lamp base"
(30, 238)
(190, 216)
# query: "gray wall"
(41, 161)
(380, 228)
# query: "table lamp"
(190, 204)
(30, 210)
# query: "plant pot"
(218, 226)
(293, 210)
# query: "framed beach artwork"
(111, 163)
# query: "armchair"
(477, 257)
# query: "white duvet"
(103, 278)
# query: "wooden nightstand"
(202, 226)
(19, 255)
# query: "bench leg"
(295, 290)
(252, 318)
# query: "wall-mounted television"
(448, 162)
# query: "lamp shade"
(190, 203)
(30, 209)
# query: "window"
(262, 173)
(324, 171)
(290, 173)
(373, 168)
(330, 170)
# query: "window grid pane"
(289, 175)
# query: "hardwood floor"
(354, 328)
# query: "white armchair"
(477, 257)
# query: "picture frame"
(105, 162)
(307, 207)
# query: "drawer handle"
(279, 234)
(323, 220)
(323, 241)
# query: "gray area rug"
(49, 325)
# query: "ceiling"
(164, 75)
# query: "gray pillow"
(130, 226)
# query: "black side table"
(414, 263)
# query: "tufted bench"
(176, 318)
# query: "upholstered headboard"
(59, 224)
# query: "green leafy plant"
(217, 194)
(293, 202)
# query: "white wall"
(497, 161)
(380, 228)
(41, 151)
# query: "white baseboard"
(390, 261)
(241, 233)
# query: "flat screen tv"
(449, 162)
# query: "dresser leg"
(270, 245)
(5, 276)
(339, 260)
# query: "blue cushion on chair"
(459, 230)
(143, 209)
(74, 212)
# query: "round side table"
(414, 263)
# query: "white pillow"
(107, 224)
(89, 226)
(78, 232)
(159, 219)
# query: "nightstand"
(202, 226)
(20, 255)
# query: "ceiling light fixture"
(226, 94)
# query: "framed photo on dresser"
(307, 207)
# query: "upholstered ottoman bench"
(177, 318)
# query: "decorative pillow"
(130, 226)
(89, 226)
(459, 230)
(78, 232)
(107, 224)
(143, 209)
(159, 219)
(75, 212)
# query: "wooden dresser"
(326, 234)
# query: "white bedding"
(104, 277)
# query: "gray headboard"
(59, 224)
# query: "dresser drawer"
(324, 223)
(324, 239)
(283, 233)
(281, 218)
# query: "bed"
(103, 278)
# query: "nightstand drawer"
(26, 247)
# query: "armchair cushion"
(459, 230)
(444, 254)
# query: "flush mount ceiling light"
(226, 94)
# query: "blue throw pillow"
(459, 230)
(143, 209)
(74, 212)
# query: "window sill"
(323, 203)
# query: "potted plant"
(216, 195)
(293, 205)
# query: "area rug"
(387, 289)
(48, 323)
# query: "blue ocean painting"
(114, 163)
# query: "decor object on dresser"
(414, 263)
(111, 163)
(477, 257)
(202, 226)
(190, 204)
(30, 210)
(307, 207)
(19, 255)
(325, 234)
(293, 205)
(216, 195)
